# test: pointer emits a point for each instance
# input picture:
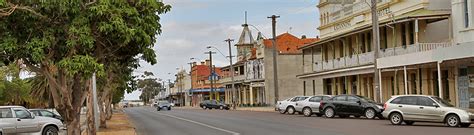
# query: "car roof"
(412, 95)
(12, 107)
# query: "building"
(201, 84)
(423, 50)
(180, 91)
(253, 71)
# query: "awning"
(207, 90)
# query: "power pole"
(231, 74)
(190, 79)
(275, 52)
(211, 75)
(376, 43)
(96, 105)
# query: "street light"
(209, 47)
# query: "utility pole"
(190, 79)
(96, 106)
(211, 75)
(231, 74)
(275, 52)
(376, 43)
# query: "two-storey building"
(201, 84)
(411, 32)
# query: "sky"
(191, 25)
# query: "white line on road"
(199, 123)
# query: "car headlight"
(380, 107)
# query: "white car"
(310, 105)
(18, 120)
(288, 105)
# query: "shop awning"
(206, 90)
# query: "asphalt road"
(148, 121)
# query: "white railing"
(366, 58)
(351, 61)
(339, 63)
(353, 9)
(318, 66)
(420, 47)
(355, 60)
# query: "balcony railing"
(419, 47)
(353, 9)
(348, 61)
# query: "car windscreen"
(163, 103)
(442, 102)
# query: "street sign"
(214, 75)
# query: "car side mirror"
(359, 102)
(435, 105)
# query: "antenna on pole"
(245, 17)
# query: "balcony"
(355, 8)
(228, 79)
(344, 62)
(419, 47)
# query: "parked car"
(412, 108)
(46, 113)
(346, 105)
(288, 105)
(18, 120)
(213, 104)
(163, 105)
(310, 106)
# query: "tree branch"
(90, 3)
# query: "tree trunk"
(103, 117)
(108, 108)
(74, 126)
(90, 115)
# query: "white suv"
(411, 108)
(18, 120)
(288, 105)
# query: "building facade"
(201, 84)
(423, 50)
(253, 72)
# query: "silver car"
(411, 108)
(288, 105)
(18, 120)
(310, 105)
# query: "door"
(427, 110)
(463, 88)
(339, 104)
(25, 122)
(353, 105)
(7, 121)
(314, 103)
(408, 106)
(213, 104)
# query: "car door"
(408, 106)
(353, 105)
(213, 104)
(428, 109)
(7, 121)
(314, 103)
(25, 121)
(339, 104)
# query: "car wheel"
(50, 130)
(158, 109)
(465, 125)
(291, 110)
(409, 122)
(282, 111)
(396, 118)
(204, 107)
(370, 113)
(452, 120)
(307, 112)
(221, 107)
(329, 112)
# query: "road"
(221, 122)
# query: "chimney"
(317, 37)
(208, 62)
(202, 63)
(303, 37)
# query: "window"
(466, 13)
(304, 88)
(325, 97)
(424, 101)
(315, 99)
(314, 88)
(411, 33)
(47, 114)
(6, 113)
(410, 100)
(396, 100)
(352, 99)
(22, 114)
(36, 113)
(383, 38)
(340, 98)
(404, 35)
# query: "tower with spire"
(245, 43)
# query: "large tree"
(68, 41)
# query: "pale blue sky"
(191, 25)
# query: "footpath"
(118, 125)
(257, 109)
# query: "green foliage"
(14, 90)
(149, 87)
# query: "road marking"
(199, 123)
